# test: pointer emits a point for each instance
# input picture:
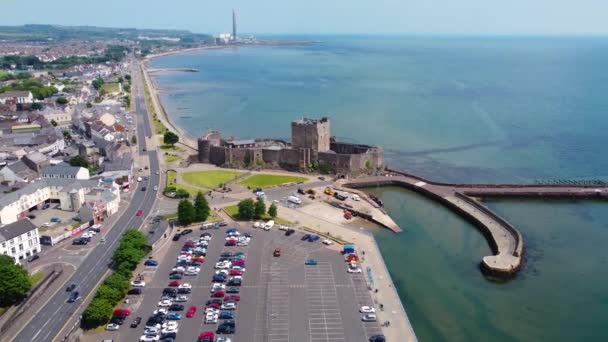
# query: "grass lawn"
(170, 158)
(111, 87)
(233, 210)
(170, 148)
(171, 181)
(213, 217)
(37, 277)
(209, 179)
(266, 180)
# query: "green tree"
(120, 79)
(14, 281)
(79, 161)
(134, 139)
(259, 209)
(201, 208)
(61, 100)
(118, 281)
(67, 135)
(128, 77)
(273, 210)
(185, 212)
(170, 138)
(36, 106)
(129, 256)
(54, 123)
(246, 209)
(170, 189)
(97, 83)
(110, 294)
(181, 193)
(89, 105)
(97, 313)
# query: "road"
(51, 318)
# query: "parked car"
(112, 327)
(136, 322)
(55, 219)
(368, 317)
(191, 311)
(206, 336)
(135, 291)
(174, 316)
(377, 338)
(151, 262)
(226, 315)
(310, 262)
(305, 237)
(367, 309)
(176, 237)
(277, 252)
(186, 231)
(176, 307)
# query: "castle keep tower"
(310, 134)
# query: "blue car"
(313, 238)
(219, 278)
(231, 230)
(55, 219)
(174, 316)
(151, 262)
(226, 315)
(310, 262)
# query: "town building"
(66, 171)
(18, 96)
(19, 240)
(69, 193)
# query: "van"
(208, 226)
(269, 225)
(356, 197)
(294, 199)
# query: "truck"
(294, 199)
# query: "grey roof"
(14, 93)
(19, 166)
(85, 213)
(36, 157)
(15, 229)
(66, 184)
(61, 169)
(123, 162)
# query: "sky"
(527, 17)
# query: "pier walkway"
(505, 240)
(172, 69)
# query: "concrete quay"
(505, 240)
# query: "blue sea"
(463, 109)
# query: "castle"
(312, 148)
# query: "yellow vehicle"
(329, 191)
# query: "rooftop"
(15, 229)
(61, 169)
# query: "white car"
(327, 242)
(367, 309)
(149, 338)
(282, 227)
(169, 330)
(178, 269)
(96, 226)
(181, 299)
(206, 238)
(217, 286)
(155, 188)
(151, 331)
(269, 225)
(191, 273)
(211, 318)
(223, 339)
(185, 286)
(223, 265)
(112, 327)
(91, 232)
(257, 225)
(353, 270)
(160, 311)
(165, 303)
(369, 317)
(229, 306)
(170, 325)
(212, 311)
(46, 224)
(237, 267)
(242, 243)
(193, 269)
(138, 283)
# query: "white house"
(19, 240)
(23, 97)
(65, 170)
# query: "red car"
(189, 244)
(139, 212)
(218, 294)
(235, 298)
(191, 312)
(277, 252)
(236, 272)
(124, 312)
(207, 336)
(198, 258)
(238, 263)
(215, 306)
(174, 283)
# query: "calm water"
(457, 109)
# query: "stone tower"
(313, 134)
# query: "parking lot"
(281, 298)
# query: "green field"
(171, 148)
(170, 158)
(266, 180)
(171, 181)
(37, 277)
(233, 210)
(111, 87)
(209, 179)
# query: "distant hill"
(59, 33)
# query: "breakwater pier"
(172, 70)
(505, 240)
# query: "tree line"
(132, 249)
(188, 212)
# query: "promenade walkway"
(505, 240)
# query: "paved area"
(281, 298)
